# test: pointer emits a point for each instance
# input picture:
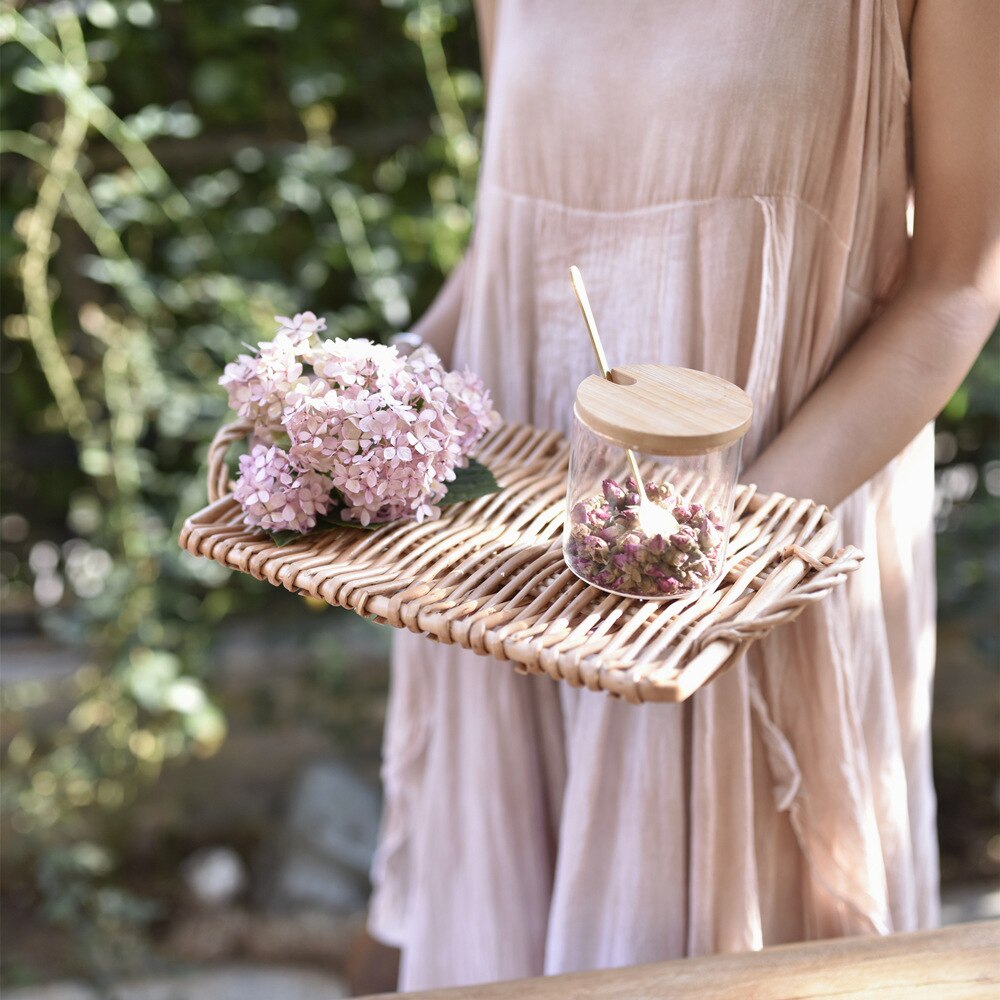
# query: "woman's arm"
(898, 375)
(439, 323)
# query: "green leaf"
(958, 405)
(470, 483)
(323, 523)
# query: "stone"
(214, 875)
(51, 991)
(249, 982)
(337, 814)
(312, 936)
(324, 851)
(307, 880)
(208, 935)
(964, 902)
(237, 982)
(319, 938)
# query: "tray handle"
(218, 471)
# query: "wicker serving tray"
(489, 576)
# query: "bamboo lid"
(662, 410)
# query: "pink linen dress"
(731, 179)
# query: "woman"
(732, 180)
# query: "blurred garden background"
(189, 757)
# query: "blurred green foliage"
(968, 497)
(174, 174)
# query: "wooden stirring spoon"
(653, 519)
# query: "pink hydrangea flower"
(355, 362)
(301, 329)
(385, 432)
(275, 495)
(257, 386)
(389, 431)
(471, 405)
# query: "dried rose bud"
(607, 546)
(657, 544)
(613, 493)
(708, 536)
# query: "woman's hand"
(898, 375)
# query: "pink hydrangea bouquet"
(349, 431)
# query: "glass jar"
(682, 431)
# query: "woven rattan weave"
(489, 576)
